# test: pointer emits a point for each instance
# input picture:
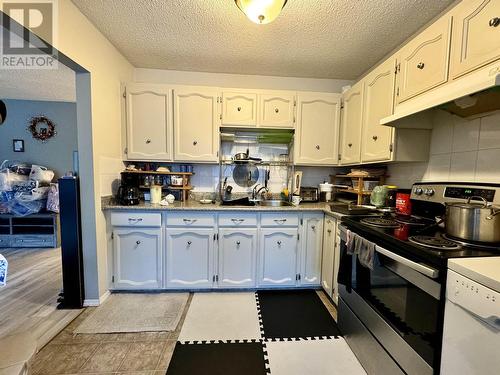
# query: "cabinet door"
(196, 124)
(137, 258)
(352, 116)
(149, 122)
(239, 108)
(311, 248)
(327, 262)
(277, 110)
(278, 257)
(378, 103)
(424, 60)
(476, 35)
(316, 137)
(190, 257)
(237, 257)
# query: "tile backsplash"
(461, 151)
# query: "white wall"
(175, 77)
(461, 151)
(99, 128)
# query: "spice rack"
(184, 188)
(360, 190)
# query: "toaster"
(309, 194)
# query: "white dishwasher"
(471, 338)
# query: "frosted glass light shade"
(261, 11)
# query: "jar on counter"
(390, 200)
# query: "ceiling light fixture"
(261, 11)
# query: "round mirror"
(3, 112)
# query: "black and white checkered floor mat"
(277, 332)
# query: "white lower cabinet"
(311, 248)
(190, 257)
(237, 257)
(138, 260)
(328, 260)
(278, 256)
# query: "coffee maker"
(128, 192)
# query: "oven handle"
(421, 268)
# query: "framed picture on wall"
(18, 145)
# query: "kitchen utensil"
(473, 221)
(176, 180)
(309, 194)
(297, 180)
(243, 157)
(128, 195)
(155, 191)
(325, 192)
(245, 175)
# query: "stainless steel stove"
(392, 314)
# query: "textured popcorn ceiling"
(30, 84)
(311, 38)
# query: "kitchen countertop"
(484, 270)
(111, 204)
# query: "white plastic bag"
(9, 179)
(41, 174)
(4, 265)
(53, 198)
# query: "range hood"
(473, 95)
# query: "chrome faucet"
(256, 192)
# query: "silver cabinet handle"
(313, 227)
(423, 269)
(280, 221)
(134, 220)
(237, 220)
(317, 147)
(189, 221)
(148, 141)
(189, 243)
(276, 110)
(420, 65)
(195, 143)
(238, 243)
(279, 243)
(137, 242)
(494, 22)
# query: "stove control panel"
(455, 192)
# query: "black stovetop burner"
(415, 237)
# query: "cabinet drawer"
(135, 219)
(280, 220)
(33, 241)
(191, 219)
(4, 241)
(237, 220)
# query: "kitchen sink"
(273, 203)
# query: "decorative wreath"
(41, 128)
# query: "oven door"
(398, 302)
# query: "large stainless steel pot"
(473, 221)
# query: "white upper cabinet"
(376, 139)
(148, 122)
(352, 116)
(317, 129)
(196, 124)
(276, 110)
(239, 108)
(476, 35)
(424, 60)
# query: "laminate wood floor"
(28, 301)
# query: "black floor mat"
(295, 314)
(218, 359)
